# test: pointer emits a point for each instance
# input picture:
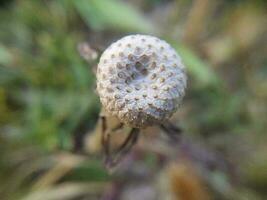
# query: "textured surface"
(141, 80)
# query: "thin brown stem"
(124, 149)
(172, 131)
(105, 137)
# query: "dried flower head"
(141, 80)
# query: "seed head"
(145, 75)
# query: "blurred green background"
(48, 107)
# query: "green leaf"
(200, 70)
(89, 171)
(5, 56)
(117, 15)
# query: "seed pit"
(162, 80)
(144, 72)
(119, 66)
(128, 66)
(128, 80)
(134, 75)
(153, 65)
(144, 59)
(138, 65)
(111, 70)
(117, 96)
(130, 57)
(162, 68)
(121, 105)
(110, 90)
(101, 86)
(118, 87)
(165, 57)
(153, 76)
(129, 90)
(138, 49)
(166, 88)
(137, 87)
(121, 75)
(170, 74)
(112, 80)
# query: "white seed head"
(141, 80)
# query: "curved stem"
(112, 160)
(172, 131)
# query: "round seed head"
(140, 80)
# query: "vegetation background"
(49, 146)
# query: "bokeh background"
(49, 138)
